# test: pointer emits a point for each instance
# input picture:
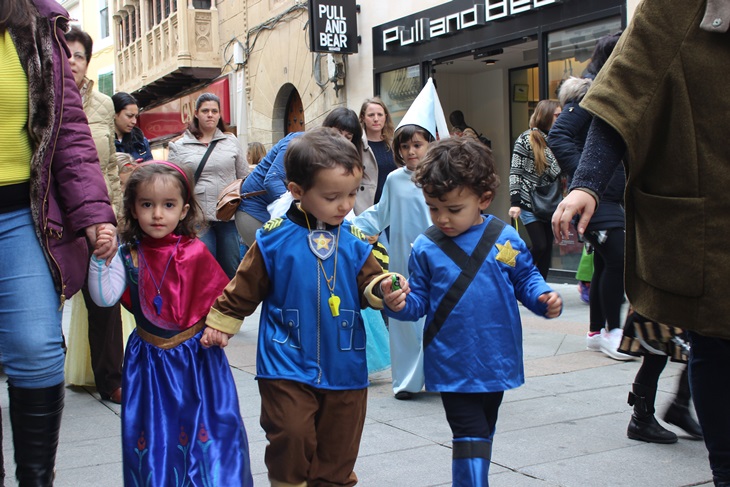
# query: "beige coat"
(99, 110)
(366, 194)
(665, 89)
(226, 163)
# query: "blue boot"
(470, 463)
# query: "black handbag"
(545, 198)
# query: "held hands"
(554, 304)
(395, 292)
(214, 338)
(103, 237)
(515, 212)
(577, 202)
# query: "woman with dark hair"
(268, 180)
(216, 159)
(130, 138)
(531, 159)
(53, 200)
(377, 156)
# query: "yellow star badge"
(322, 242)
(507, 254)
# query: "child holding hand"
(181, 423)
(311, 268)
(466, 274)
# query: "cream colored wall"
(85, 13)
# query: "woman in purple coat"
(52, 199)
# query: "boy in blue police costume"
(466, 273)
(311, 270)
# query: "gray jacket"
(225, 164)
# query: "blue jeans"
(31, 338)
(221, 238)
(709, 377)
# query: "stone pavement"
(565, 427)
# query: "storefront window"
(398, 89)
(569, 50)
(569, 53)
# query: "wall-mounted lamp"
(490, 62)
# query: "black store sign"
(333, 26)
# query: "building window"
(398, 89)
(106, 83)
(103, 19)
(201, 4)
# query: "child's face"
(331, 197)
(458, 210)
(413, 151)
(159, 206)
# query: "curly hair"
(457, 162)
(146, 173)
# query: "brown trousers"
(106, 345)
(314, 434)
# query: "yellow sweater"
(15, 144)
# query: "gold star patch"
(507, 254)
(322, 242)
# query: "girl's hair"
(149, 172)
(194, 125)
(604, 48)
(125, 162)
(16, 13)
(256, 152)
(403, 135)
(342, 118)
(132, 141)
(388, 127)
(457, 162)
(541, 121)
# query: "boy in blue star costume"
(466, 274)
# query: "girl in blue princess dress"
(181, 424)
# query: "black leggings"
(541, 236)
(607, 285)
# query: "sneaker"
(403, 395)
(594, 339)
(584, 289)
(611, 342)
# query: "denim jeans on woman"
(221, 238)
(31, 337)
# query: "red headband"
(175, 167)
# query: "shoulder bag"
(545, 198)
(230, 198)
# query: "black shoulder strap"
(469, 266)
(199, 171)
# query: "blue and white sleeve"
(376, 218)
(107, 283)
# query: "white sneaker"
(593, 342)
(610, 343)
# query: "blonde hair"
(540, 122)
(125, 162)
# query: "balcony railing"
(164, 46)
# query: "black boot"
(678, 413)
(35, 415)
(643, 425)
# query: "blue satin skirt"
(181, 423)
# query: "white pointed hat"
(426, 112)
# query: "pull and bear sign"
(333, 26)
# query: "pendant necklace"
(334, 300)
(157, 301)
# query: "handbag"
(230, 198)
(546, 198)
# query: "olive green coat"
(666, 90)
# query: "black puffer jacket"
(567, 138)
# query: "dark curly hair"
(457, 162)
(148, 172)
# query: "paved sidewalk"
(565, 427)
